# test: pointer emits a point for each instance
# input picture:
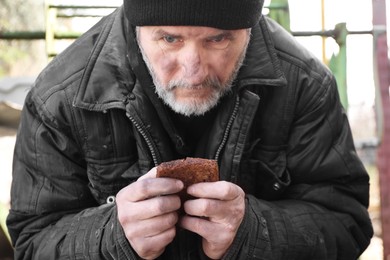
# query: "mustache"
(209, 82)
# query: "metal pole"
(338, 62)
(382, 83)
(38, 35)
(83, 6)
(333, 33)
(323, 29)
(51, 16)
(280, 12)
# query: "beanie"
(222, 14)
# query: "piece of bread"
(189, 171)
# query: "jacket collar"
(261, 65)
(108, 77)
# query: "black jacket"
(92, 124)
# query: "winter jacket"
(92, 124)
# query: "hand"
(216, 215)
(147, 211)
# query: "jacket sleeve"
(323, 213)
(53, 214)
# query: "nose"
(194, 65)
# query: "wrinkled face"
(192, 67)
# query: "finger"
(197, 225)
(153, 207)
(216, 237)
(152, 187)
(228, 212)
(153, 246)
(205, 207)
(150, 174)
(221, 190)
(152, 226)
(208, 230)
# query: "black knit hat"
(223, 14)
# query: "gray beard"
(193, 107)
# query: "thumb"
(150, 174)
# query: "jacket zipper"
(153, 149)
(148, 139)
(228, 128)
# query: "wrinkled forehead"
(185, 30)
(189, 31)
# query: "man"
(161, 80)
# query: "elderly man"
(162, 80)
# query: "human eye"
(170, 38)
(218, 38)
(170, 42)
(220, 41)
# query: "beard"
(194, 106)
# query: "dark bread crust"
(189, 171)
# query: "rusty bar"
(38, 35)
(382, 82)
(83, 6)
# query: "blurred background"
(349, 36)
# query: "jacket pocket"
(264, 172)
(107, 179)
